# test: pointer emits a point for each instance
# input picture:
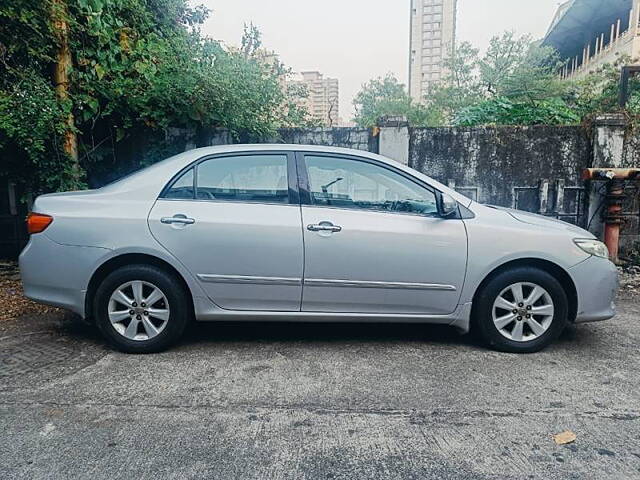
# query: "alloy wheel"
(523, 311)
(138, 310)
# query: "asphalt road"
(318, 401)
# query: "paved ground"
(318, 401)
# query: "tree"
(505, 55)
(251, 40)
(386, 96)
(514, 83)
(530, 75)
(125, 67)
(62, 66)
(461, 86)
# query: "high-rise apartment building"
(433, 33)
(323, 97)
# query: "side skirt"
(207, 312)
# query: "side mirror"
(448, 206)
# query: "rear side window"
(183, 187)
(244, 178)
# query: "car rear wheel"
(141, 309)
(521, 310)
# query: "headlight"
(593, 247)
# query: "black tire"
(482, 310)
(179, 312)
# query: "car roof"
(252, 147)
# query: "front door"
(374, 242)
(233, 222)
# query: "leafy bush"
(137, 65)
(503, 111)
(515, 82)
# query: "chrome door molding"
(317, 282)
(246, 279)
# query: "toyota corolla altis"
(301, 233)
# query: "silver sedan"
(301, 233)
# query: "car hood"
(546, 222)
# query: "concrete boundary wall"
(537, 169)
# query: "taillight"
(38, 222)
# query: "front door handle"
(324, 227)
(179, 219)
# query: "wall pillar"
(609, 133)
(394, 139)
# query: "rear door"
(234, 221)
(374, 242)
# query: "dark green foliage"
(599, 91)
(138, 66)
(31, 125)
(514, 83)
(503, 111)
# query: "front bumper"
(596, 281)
(56, 274)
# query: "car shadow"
(203, 333)
(586, 336)
(225, 332)
(70, 327)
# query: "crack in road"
(618, 415)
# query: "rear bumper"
(56, 274)
(596, 281)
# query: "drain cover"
(22, 355)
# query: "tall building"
(588, 34)
(433, 34)
(323, 97)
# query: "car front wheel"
(141, 309)
(521, 310)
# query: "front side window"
(347, 183)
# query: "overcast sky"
(356, 40)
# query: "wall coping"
(611, 120)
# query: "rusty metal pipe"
(607, 174)
(613, 217)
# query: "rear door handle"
(324, 227)
(179, 219)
